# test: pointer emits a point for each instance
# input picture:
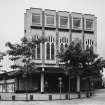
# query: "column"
(78, 84)
(42, 81)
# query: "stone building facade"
(59, 28)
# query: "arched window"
(87, 47)
(66, 45)
(63, 39)
(86, 42)
(53, 39)
(38, 51)
(67, 40)
(92, 42)
(34, 37)
(37, 37)
(61, 47)
(91, 47)
(60, 40)
(34, 53)
(49, 38)
(52, 51)
(48, 51)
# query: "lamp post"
(68, 69)
(46, 85)
(43, 40)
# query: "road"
(97, 99)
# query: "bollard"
(50, 97)
(66, 97)
(13, 97)
(0, 97)
(91, 93)
(31, 97)
(87, 94)
(79, 95)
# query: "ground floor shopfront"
(7, 86)
(47, 81)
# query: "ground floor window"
(8, 87)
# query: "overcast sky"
(12, 17)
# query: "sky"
(12, 17)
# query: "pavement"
(38, 96)
(97, 99)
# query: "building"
(60, 28)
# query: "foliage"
(84, 63)
(23, 53)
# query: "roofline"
(60, 11)
(50, 10)
(89, 14)
(36, 8)
(76, 13)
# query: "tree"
(81, 63)
(93, 65)
(93, 71)
(72, 61)
(24, 53)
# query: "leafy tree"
(24, 53)
(81, 63)
(92, 64)
(72, 60)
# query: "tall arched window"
(52, 51)
(66, 40)
(87, 47)
(34, 53)
(60, 40)
(86, 42)
(48, 51)
(61, 47)
(38, 51)
(92, 42)
(66, 45)
(91, 47)
(51, 38)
